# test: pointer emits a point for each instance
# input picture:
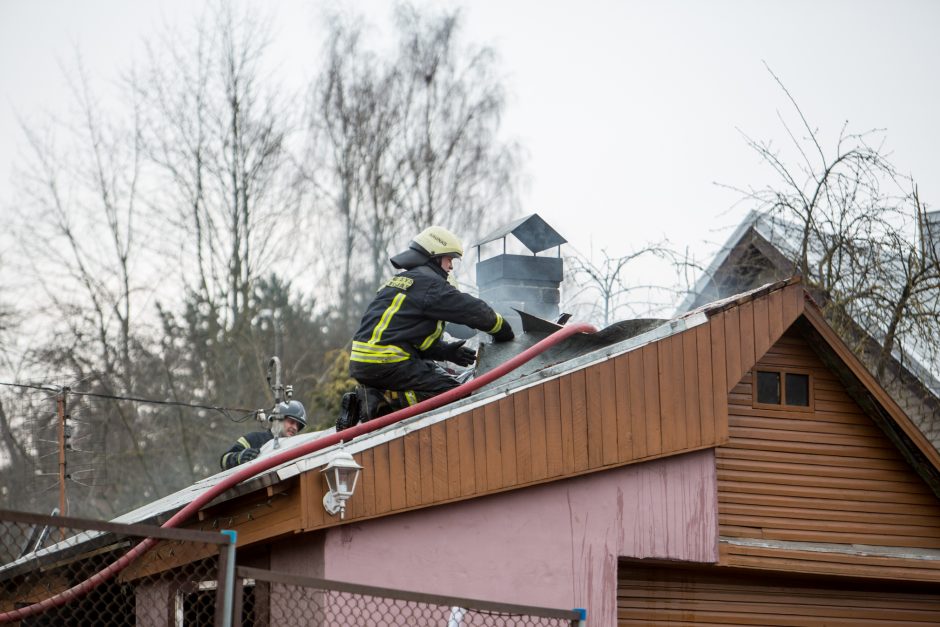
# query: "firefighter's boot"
(349, 412)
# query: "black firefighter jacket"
(407, 316)
(255, 440)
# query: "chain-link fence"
(52, 573)
(58, 571)
(273, 599)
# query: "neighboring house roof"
(660, 393)
(760, 250)
(747, 253)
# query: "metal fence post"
(238, 600)
(582, 622)
(226, 588)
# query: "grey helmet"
(292, 409)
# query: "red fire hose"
(268, 462)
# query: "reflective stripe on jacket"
(407, 316)
(256, 439)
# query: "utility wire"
(222, 410)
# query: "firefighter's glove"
(459, 354)
(247, 455)
(505, 333)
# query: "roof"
(576, 353)
(756, 222)
(707, 349)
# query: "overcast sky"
(629, 110)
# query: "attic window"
(780, 388)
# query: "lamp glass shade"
(346, 480)
(342, 473)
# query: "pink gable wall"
(552, 545)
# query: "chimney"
(527, 282)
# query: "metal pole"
(227, 579)
(274, 379)
(60, 411)
(583, 622)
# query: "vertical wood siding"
(750, 328)
(825, 476)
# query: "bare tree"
(352, 121)
(201, 143)
(90, 280)
(216, 130)
(84, 206)
(624, 284)
(457, 170)
(16, 453)
(11, 315)
(852, 227)
(404, 140)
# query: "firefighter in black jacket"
(399, 338)
(248, 447)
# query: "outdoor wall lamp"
(341, 474)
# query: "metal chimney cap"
(534, 233)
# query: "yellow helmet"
(437, 241)
(434, 241)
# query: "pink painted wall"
(552, 545)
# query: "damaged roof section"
(535, 329)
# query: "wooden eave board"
(843, 564)
(255, 517)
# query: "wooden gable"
(821, 490)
